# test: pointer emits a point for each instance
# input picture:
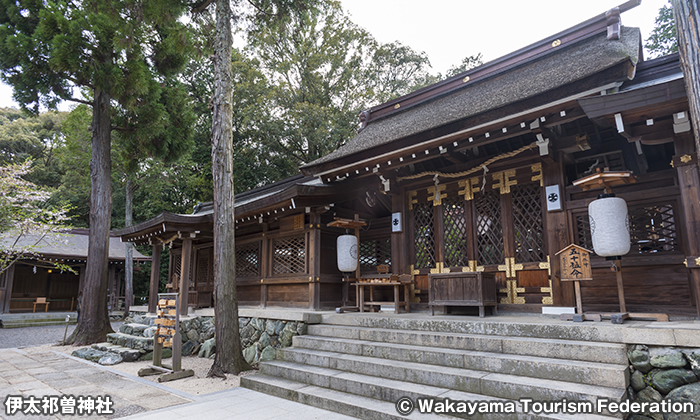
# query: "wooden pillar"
(264, 255)
(557, 235)
(689, 181)
(314, 247)
(186, 261)
(113, 295)
(7, 293)
(155, 280)
(399, 261)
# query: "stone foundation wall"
(261, 337)
(664, 373)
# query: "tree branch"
(122, 129)
(80, 101)
(202, 6)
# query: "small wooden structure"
(463, 289)
(575, 263)
(355, 224)
(383, 279)
(167, 335)
(41, 301)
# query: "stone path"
(33, 375)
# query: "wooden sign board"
(575, 263)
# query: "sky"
(449, 30)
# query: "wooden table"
(385, 281)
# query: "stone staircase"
(361, 366)
(135, 336)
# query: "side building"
(36, 276)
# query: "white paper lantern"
(347, 253)
(610, 229)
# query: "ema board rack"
(167, 335)
(167, 322)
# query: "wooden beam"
(185, 264)
(558, 236)
(314, 269)
(689, 181)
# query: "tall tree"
(124, 55)
(687, 15)
(229, 353)
(663, 39)
(324, 70)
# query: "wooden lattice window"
(455, 232)
(489, 228)
(653, 229)
(289, 255)
(374, 253)
(176, 260)
(583, 231)
(248, 260)
(528, 223)
(204, 274)
(424, 238)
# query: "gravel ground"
(37, 336)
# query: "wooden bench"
(41, 301)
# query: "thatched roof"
(564, 65)
(72, 245)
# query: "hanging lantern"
(347, 253)
(610, 229)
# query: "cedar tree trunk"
(229, 354)
(687, 16)
(129, 247)
(94, 325)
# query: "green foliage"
(162, 186)
(467, 63)
(663, 39)
(323, 70)
(24, 136)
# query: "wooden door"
(495, 226)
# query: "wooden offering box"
(462, 289)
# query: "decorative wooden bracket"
(684, 160)
(411, 199)
(504, 180)
(537, 173)
(439, 268)
(512, 290)
(471, 268)
(436, 198)
(692, 262)
(468, 188)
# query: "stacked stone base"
(260, 339)
(665, 374)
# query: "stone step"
(501, 326)
(585, 351)
(127, 354)
(131, 341)
(591, 373)
(466, 380)
(134, 329)
(364, 407)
